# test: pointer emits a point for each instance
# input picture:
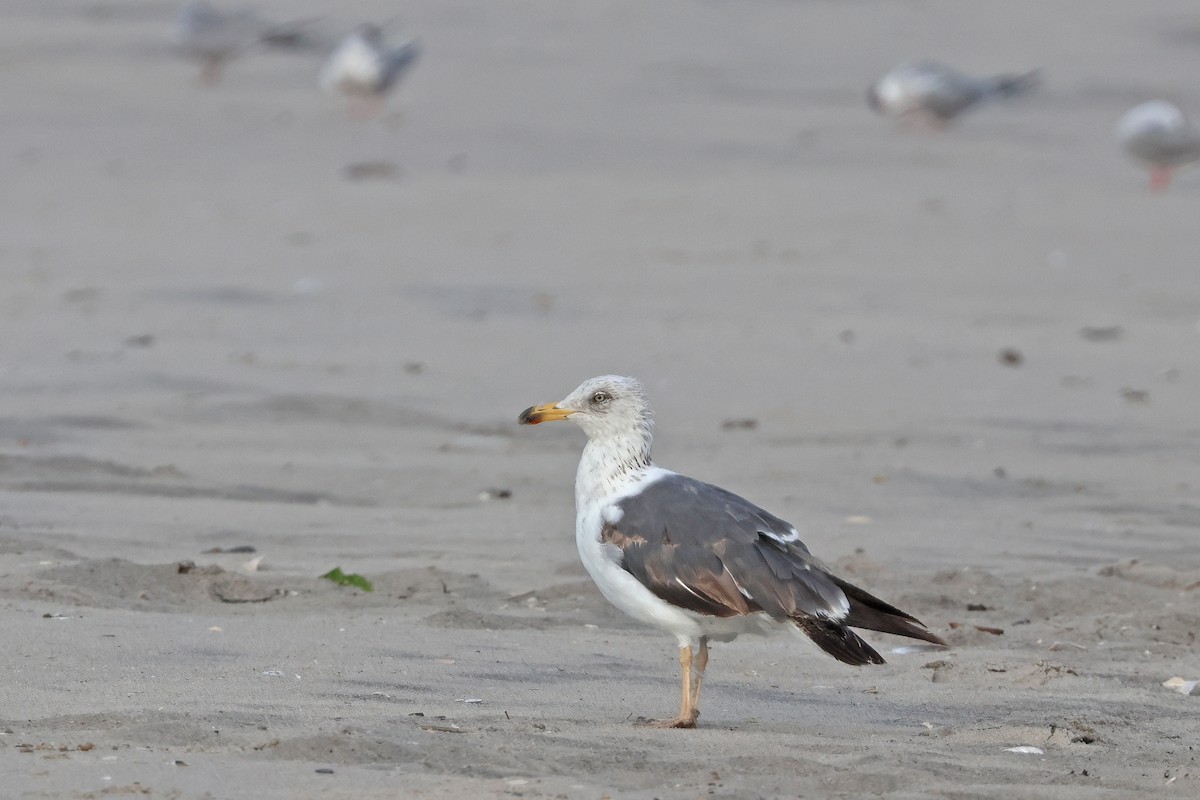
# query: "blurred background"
(253, 282)
(273, 328)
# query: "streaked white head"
(608, 407)
(611, 406)
(613, 412)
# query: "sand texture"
(966, 364)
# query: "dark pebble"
(1011, 357)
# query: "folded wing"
(712, 552)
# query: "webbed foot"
(678, 722)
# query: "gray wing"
(950, 92)
(705, 549)
(399, 61)
(944, 92)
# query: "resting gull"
(693, 559)
(934, 94)
(1158, 135)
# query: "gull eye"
(601, 397)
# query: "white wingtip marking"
(791, 536)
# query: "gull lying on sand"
(693, 559)
(363, 67)
(1159, 136)
(934, 94)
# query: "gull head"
(607, 407)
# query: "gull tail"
(1006, 86)
(870, 613)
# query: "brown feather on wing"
(690, 577)
(702, 548)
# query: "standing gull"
(213, 37)
(363, 67)
(1158, 135)
(934, 94)
(693, 559)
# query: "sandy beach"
(965, 364)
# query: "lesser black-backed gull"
(693, 559)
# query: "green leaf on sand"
(342, 579)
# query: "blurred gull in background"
(1159, 136)
(933, 94)
(364, 68)
(214, 37)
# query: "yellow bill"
(548, 412)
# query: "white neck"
(608, 464)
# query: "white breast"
(603, 563)
(354, 68)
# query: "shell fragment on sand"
(1183, 686)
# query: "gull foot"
(678, 722)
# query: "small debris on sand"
(372, 170)
(1107, 334)
(1010, 357)
(1183, 686)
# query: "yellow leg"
(699, 663)
(689, 694)
(685, 673)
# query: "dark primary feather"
(869, 612)
(840, 642)
(705, 549)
